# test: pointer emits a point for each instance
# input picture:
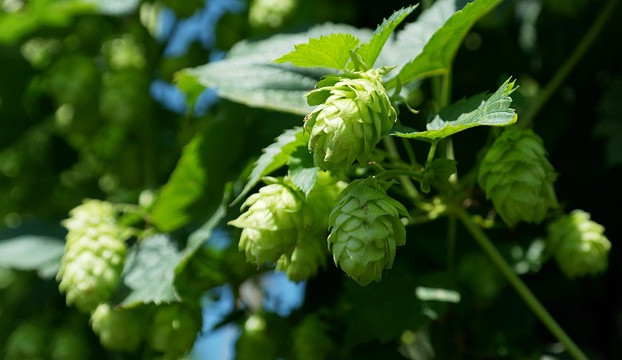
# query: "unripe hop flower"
(365, 230)
(118, 329)
(94, 254)
(174, 329)
(308, 255)
(517, 176)
(271, 223)
(353, 113)
(578, 244)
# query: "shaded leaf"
(249, 76)
(467, 113)
(439, 170)
(274, 156)
(331, 51)
(32, 252)
(150, 270)
(428, 46)
(369, 51)
(302, 170)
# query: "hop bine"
(94, 254)
(353, 113)
(365, 230)
(517, 176)
(578, 244)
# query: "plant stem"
(543, 95)
(394, 155)
(400, 174)
(520, 287)
(432, 152)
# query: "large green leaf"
(32, 252)
(331, 51)
(369, 51)
(249, 75)
(428, 46)
(467, 113)
(274, 156)
(150, 271)
(196, 186)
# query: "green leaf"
(302, 170)
(369, 51)
(183, 188)
(150, 270)
(196, 186)
(249, 76)
(32, 252)
(467, 113)
(428, 46)
(274, 156)
(331, 51)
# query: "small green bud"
(94, 255)
(365, 230)
(174, 329)
(118, 329)
(578, 244)
(27, 341)
(271, 223)
(517, 176)
(353, 114)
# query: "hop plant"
(94, 254)
(271, 223)
(118, 329)
(365, 230)
(578, 244)
(174, 329)
(353, 114)
(517, 176)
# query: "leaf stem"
(526, 120)
(400, 174)
(520, 287)
(432, 152)
(394, 156)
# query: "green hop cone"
(353, 114)
(365, 230)
(119, 329)
(309, 252)
(578, 244)
(94, 254)
(271, 223)
(174, 329)
(517, 176)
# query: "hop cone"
(309, 252)
(94, 254)
(174, 329)
(271, 223)
(118, 329)
(365, 230)
(517, 176)
(352, 115)
(578, 243)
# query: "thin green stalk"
(432, 152)
(410, 152)
(543, 95)
(520, 287)
(399, 174)
(394, 156)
